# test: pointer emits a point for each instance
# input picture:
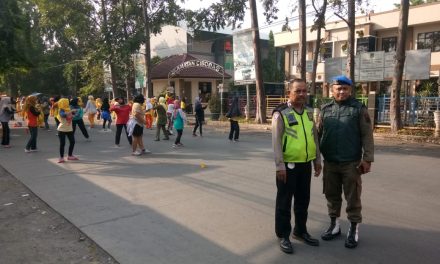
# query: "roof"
(161, 70)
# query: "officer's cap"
(342, 80)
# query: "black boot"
(332, 231)
(352, 236)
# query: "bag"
(106, 115)
(130, 126)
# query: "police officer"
(295, 145)
(346, 142)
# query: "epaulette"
(327, 105)
(280, 108)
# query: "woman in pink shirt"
(122, 111)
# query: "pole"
(247, 102)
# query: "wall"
(172, 40)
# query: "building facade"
(375, 32)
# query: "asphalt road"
(212, 201)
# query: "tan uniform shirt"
(277, 140)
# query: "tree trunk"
(351, 39)
(109, 46)
(302, 38)
(129, 65)
(260, 115)
(147, 53)
(395, 117)
(320, 24)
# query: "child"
(65, 128)
(148, 114)
(105, 114)
(78, 118)
(32, 114)
(91, 110)
(179, 119)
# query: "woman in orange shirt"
(32, 114)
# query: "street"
(212, 201)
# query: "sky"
(285, 7)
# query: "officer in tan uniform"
(346, 143)
(295, 145)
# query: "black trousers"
(62, 137)
(46, 121)
(235, 130)
(179, 135)
(298, 187)
(32, 143)
(6, 133)
(119, 128)
(81, 126)
(199, 124)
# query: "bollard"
(437, 123)
(316, 112)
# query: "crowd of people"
(342, 134)
(165, 113)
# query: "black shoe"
(352, 236)
(307, 238)
(332, 231)
(286, 246)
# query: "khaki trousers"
(345, 177)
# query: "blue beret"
(341, 80)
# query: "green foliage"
(272, 71)
(155, 60)
(417, 2)
(214, 104)
(427, 88)
(14, 36)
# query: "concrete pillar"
(372, 107)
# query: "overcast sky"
(285, 7)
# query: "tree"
(318, 25)
(273, 66)
(302, 38)
(417, 2)
(260, 115)
(395, 117)
(348, 7)
(156, 13)
(231, 13)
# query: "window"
(429, 40)
(389, 44)
(365, 44)
(295, 58)
(326, 51)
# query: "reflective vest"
(298, 139)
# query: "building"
(187, 79)
(375, 32)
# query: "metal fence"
(274, 101)
(415, 111)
